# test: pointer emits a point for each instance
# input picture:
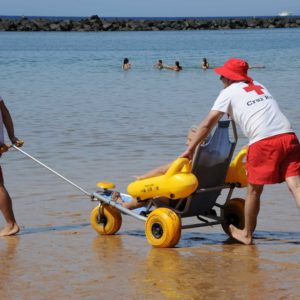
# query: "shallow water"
(83, 116)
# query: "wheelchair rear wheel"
(163, 228)
(233, 213)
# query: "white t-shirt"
(1, 126)
(254, 109)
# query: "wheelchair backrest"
(210, 165)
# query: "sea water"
(85, 117)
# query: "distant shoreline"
(144, 18)
(95, 23)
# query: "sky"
(147, 8)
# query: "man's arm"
(202, 132)
(7, 120)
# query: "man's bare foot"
(240, 235)
(10, 230)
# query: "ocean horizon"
(16, 17)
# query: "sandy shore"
(59, 256)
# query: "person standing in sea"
(274, 150)
(205, 64)
(159, 65)
(6, 208)
(126, 65)
(175, 68)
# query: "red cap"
(234, 69)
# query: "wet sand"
(57, 255)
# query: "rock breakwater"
(95, 23)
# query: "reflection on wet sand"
(8, 249)
(53, 262)
(108, 247)
(205, 265)
(214, 267)
(193, 274)
(115, 261)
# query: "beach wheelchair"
(191, 190)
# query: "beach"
(62, 257)
(86, 118)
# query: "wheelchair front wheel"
(106, 219)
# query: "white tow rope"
(51, 170)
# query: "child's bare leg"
(133, 204)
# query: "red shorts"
(273, 159)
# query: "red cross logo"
(257, 88)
